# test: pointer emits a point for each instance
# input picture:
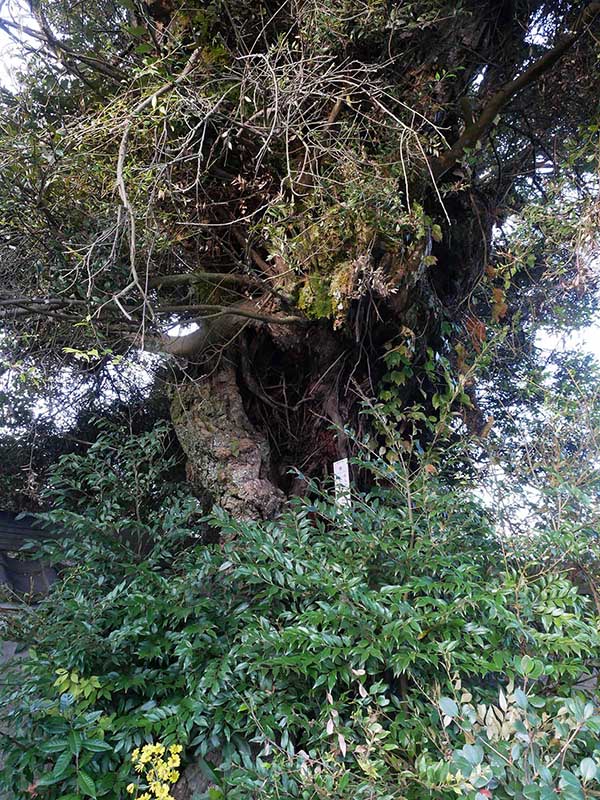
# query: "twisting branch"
(474, 132)
(236, 311)
(215, 329)
(224, 278)
(188, 278)
(141, 106)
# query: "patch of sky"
(15, 20)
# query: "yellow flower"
(160, 790)
(158, 766)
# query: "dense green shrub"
(327, 654)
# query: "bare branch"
(190, 278)
(58, 48)
(237, 311)
(141, 106)
(474, 132)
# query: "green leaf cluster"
(303, 657)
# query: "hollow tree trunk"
(277, 399)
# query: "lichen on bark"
(228, 459)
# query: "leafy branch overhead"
(280, 165)
(275, 200)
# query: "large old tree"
(311, 184)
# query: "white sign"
(341, 478)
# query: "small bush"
(324, 654)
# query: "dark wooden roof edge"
(23, 577)
(16, 529)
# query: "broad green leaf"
(62, 763)
(526, 665)
(570, 786)
(54, 746)
(74, 740)
(448, 706)
(86, 784)
(96, 746)
(521, 698)
(49, 779)
(547, 793)
(588, 769)
(473, 753)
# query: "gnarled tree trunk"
(229, 460)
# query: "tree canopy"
(308, 186)
(238, 242)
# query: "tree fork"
(476, 130)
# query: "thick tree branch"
(474, 132)
(217, 330)
(226, 278)
(218, 324)
(247, 309)
(236, 311)
(189, 278)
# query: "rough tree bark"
(229, 460)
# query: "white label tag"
(341, 477)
